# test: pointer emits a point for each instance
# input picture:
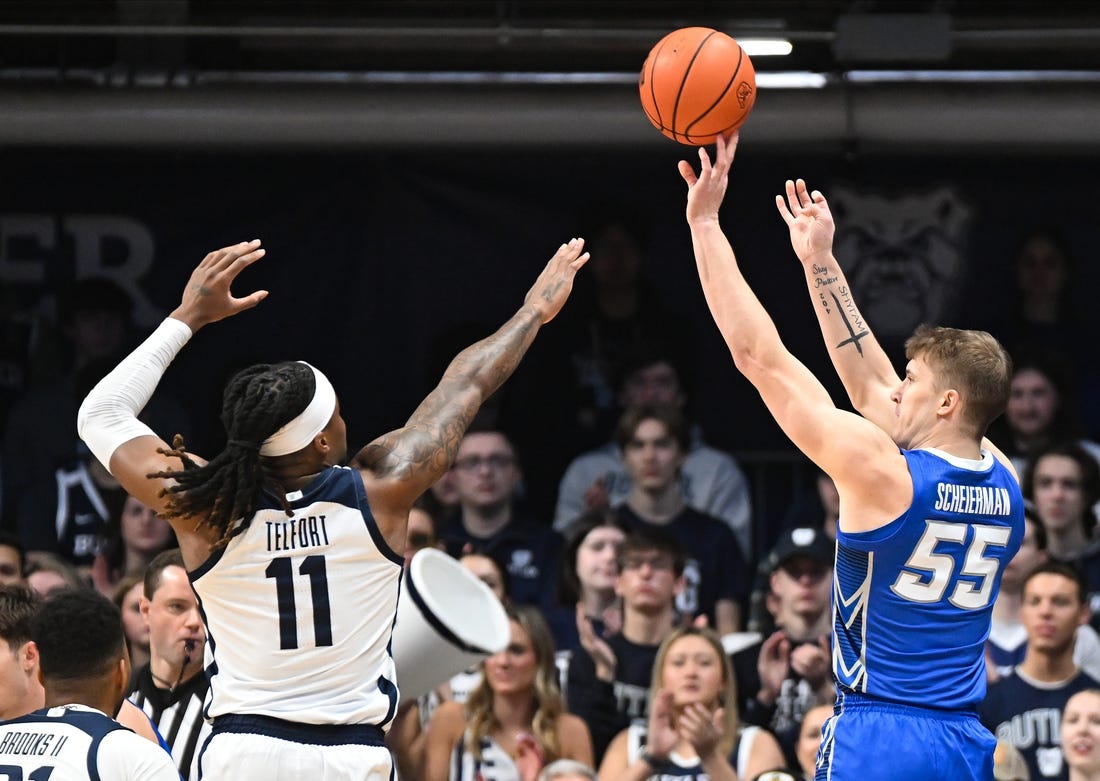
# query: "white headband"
(299, 432)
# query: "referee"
(172, 687)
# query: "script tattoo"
(850, 307)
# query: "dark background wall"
(410, 167)
(372, 256)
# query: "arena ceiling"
(417, 52)
(535, 35)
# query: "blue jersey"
(913, 599)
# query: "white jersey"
(495, 763)
(77, 743)
(299, 610)
(690, 768)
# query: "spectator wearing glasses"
(487, 475)
(789, 672)
(607, 681)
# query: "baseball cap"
(803, 541)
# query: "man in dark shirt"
(654, 443)
(607, 683)
(1025, 708)
(486, 475)
(786, 674)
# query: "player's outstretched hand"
(809, 220)
(207, 297)
(555, 283)
(707, 188)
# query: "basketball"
(697, 84)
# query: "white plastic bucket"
(447, 620)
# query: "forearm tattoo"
(845, 306)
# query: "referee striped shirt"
(177, 713)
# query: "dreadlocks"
(257, 402)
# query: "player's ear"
(949, 401)
(122, 674)
(29, 656)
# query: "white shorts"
(232, 756)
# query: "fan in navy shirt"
(607, 682)
(1025, 708)
(654, 441)
(486, 475)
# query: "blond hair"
(547, 697)
(727, 697)
(971, 362)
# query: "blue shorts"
(873, 740)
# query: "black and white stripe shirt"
(177, 714)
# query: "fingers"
(772, 642)
(799, 200)
(688, 173)
(572, 247)
(572, 253)
(584, 626)
(784, 212)
(718, 719)
(250, 301)
(227, 256)
(804, 199)
(726, 148)
(662, 703)
(704, 161)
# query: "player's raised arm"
(107, 420)
(866, 372)
(863, 366)
(839, 442)
(402, 464)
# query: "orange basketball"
(697, 84)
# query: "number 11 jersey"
(912, 600)
(299, 610)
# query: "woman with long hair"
(516, 711)
(694, 730)
(586, 579)
(131, 539)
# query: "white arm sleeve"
(108, 416)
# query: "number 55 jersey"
(299, 610)
(913, 599)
